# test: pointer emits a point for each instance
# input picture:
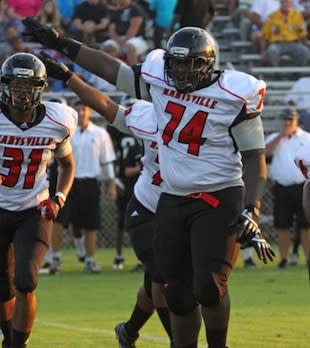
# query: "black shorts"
(288, 206)
(84, 204)
(139, 225)
(23, 230)
(192, 237)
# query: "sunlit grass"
(270, 307)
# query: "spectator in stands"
(284, 33)
(192, 13)
(94, 155)
(288, 182)
(11, 31)
(240, 15)
(90, 21)
(257, 15)
(15, 45)
(162, 11)
(3, 20)
(127, 29)
(50, 14)
(19, 9)
(66, 10)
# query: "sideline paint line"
(93, 330)
(150, 338)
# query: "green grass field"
(270, 307)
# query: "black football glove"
(43, 34)
(246, 227)
(55, 69)
(49, 37)
(261, 246)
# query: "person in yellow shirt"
(284, 33)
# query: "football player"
(138, 121)
(211, 150)
(30, 131)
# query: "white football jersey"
(196, 150)
(302, 160)
(141, 121)
(25, 153)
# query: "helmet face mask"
(23, 79)
(189, 59)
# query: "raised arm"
(93, 60)
(98, 101)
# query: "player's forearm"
(255, 174)
(99, 63)
(132, 171)
(93, 98)
(66, 174)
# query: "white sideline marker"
(110, 333)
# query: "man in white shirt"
(94, 156)
(282, 147)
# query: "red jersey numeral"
(156, 179)
(261, 94)
(15, 164)
(191, 133)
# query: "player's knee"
(179, 298)
(26, 279)
(207, 291)
(148, 284)
(6, 289)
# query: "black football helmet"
(189, 59)
(29, 76)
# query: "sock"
(137, 320)
(6, 328)
(216, 320)
(217, 338)
(56, 255)
(48, 256)
(247, 253)
(19, 339)
(79, 246)
(185, 328)
(89, 259)
(164, 317)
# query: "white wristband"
(61, 195)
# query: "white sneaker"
(118, 262)
(55, 266)
(92, 267)
(293, 260)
